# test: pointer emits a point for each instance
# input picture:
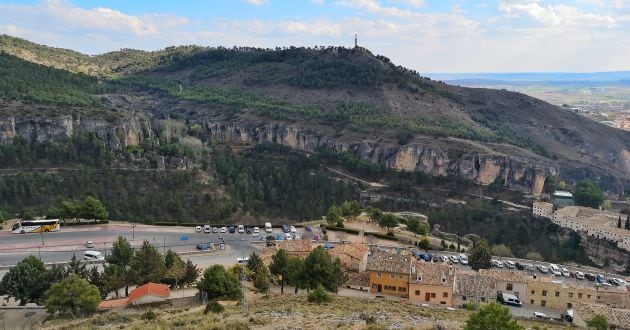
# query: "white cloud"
(374, 7)
(556, 15)
(413, 3)
(257, 2)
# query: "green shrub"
(149, 315)
(319, 296)
(390, 234)
(214, 307)
(471, 306)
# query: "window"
(543, 303)
(378, 274)
(444, 294)
(509, 287)
(417, 292)
(599, 297)
(557, 293)
(533, 292)
(443, 279)
(532, 301)
(464, 298)
(432, 294)
(443, 302)
(483, 299)
(402, 289)
(544, 293)
(588, 296)
(570, 294)
(419, 278)
(579, 295)
(400, 277)
(569, 305)
(374, 286)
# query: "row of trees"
(91, 208)
(31, 282)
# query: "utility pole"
(133, 231)
(164, 245)
(42, 232)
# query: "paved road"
(60, 246)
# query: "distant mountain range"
(618, 77)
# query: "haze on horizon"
(425, 35)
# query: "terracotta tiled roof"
(293, 246)
(505, 275)
(469, 283)
(439, 274)
(114, 303)
(617, 318)
(389, 262)
(354, 250)
(154, 289)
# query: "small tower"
(355, 41)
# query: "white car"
(510, 264)
(463, 259)
(296, 236)
(292, 229)
(445, 258)
(89, 244)
(454, 259)
(554, 269)
(579, 275)
(618, 281)
(207, 229)
(198, 229)
(565, 272)
(241, 229)
(543, 269)
(497, 263)
(287, 236)
(256, 230)
(223, 230)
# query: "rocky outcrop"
(117, 134)
(523, 173)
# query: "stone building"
(471, 287)
(389, 273)
(432, 283)
(542, 209)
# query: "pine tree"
(619, 222)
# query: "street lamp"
(133, 231)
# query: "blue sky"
(426, 35)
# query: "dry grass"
(290, 311)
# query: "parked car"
(579, 275)
(270, 240)
(285, 229)
(296, 236)
(565, 272)
(542, 269)
(223, 230)
(292, 229)
(414, 253)
(509, 299)
(308, 228)
(268, 227)
(540, 315)
(242, 260)
(425, 256)
(520, 266)
(93, 256)
(436, 258)
(603, 284)
(463, 259)
(232, 230)
(202, 246)
(215, 230)
(618, 282)
(554, 269)
(241, 229)
(248, 229)
(279, 237)
(328, 246)
(454, 259)
(198, 229)
(256, 230)
(496, 263)
(529, 267)
(445, 259)
(600, 278)
(287, 236)
(510, 264)
(316, 237)
(590, 277)
(207, 229)
(89, 244)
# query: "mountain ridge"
(365, 101)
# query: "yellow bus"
(35, 226)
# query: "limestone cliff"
(117, 134)
(481, 165)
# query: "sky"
(425, 35)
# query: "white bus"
(35, 226)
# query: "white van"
(509, 299)
(207, 229)
(268, 227)
(510, 264)
(93, 256)
(554, 269)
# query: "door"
(380, 288)
(427, 296)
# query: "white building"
(595, 223)
(543, 209)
